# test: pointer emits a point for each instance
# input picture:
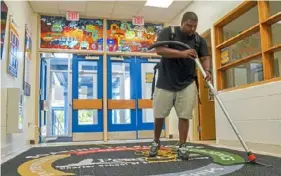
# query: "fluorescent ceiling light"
(159, 3)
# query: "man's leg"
(162, 105)
(185, 101)
(183, 130)
(158, 125)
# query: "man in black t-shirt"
(176, 85)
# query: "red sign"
(72, 16)
(138, 20)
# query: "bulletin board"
(27, 62)
(4, 17)
(123, 36)
(58, 33)
(13, 48)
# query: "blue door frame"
(121, 127)
(137, 123)
(141, 125)
(76, 128)
(43, 95)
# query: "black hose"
(157, 44)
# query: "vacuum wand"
(251, 156)
(216, 95)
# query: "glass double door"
(129, 104)
(130, 113)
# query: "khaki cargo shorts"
(183, 101)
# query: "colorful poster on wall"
(4, 17)
(13, 48)
(27, 62)
(123, 36)
(58, 33)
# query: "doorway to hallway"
(56, 103)
(206, 123)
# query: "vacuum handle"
(197, 61)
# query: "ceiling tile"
(125, 9)
(132, 3)
(178, 5)
(45, 7)
(114, 9)
(78, 6)
(39, 5)
(94, 6)
(47, 11)
(151, 11)
(96, 15)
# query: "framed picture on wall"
(123, 36)
(13, 49)
(4, 17)
(59, 33)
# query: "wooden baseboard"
(269, 148)
(122, 135)
(94, 136)
(149, 134)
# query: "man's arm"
(204, 55)
(206, 63)
(164, 51)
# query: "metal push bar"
(251, 156)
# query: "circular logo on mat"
(131, 160)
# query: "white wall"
(208, 12)
(256, 111)
(23, 14)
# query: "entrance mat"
(132, 160)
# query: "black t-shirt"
(176, 74)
